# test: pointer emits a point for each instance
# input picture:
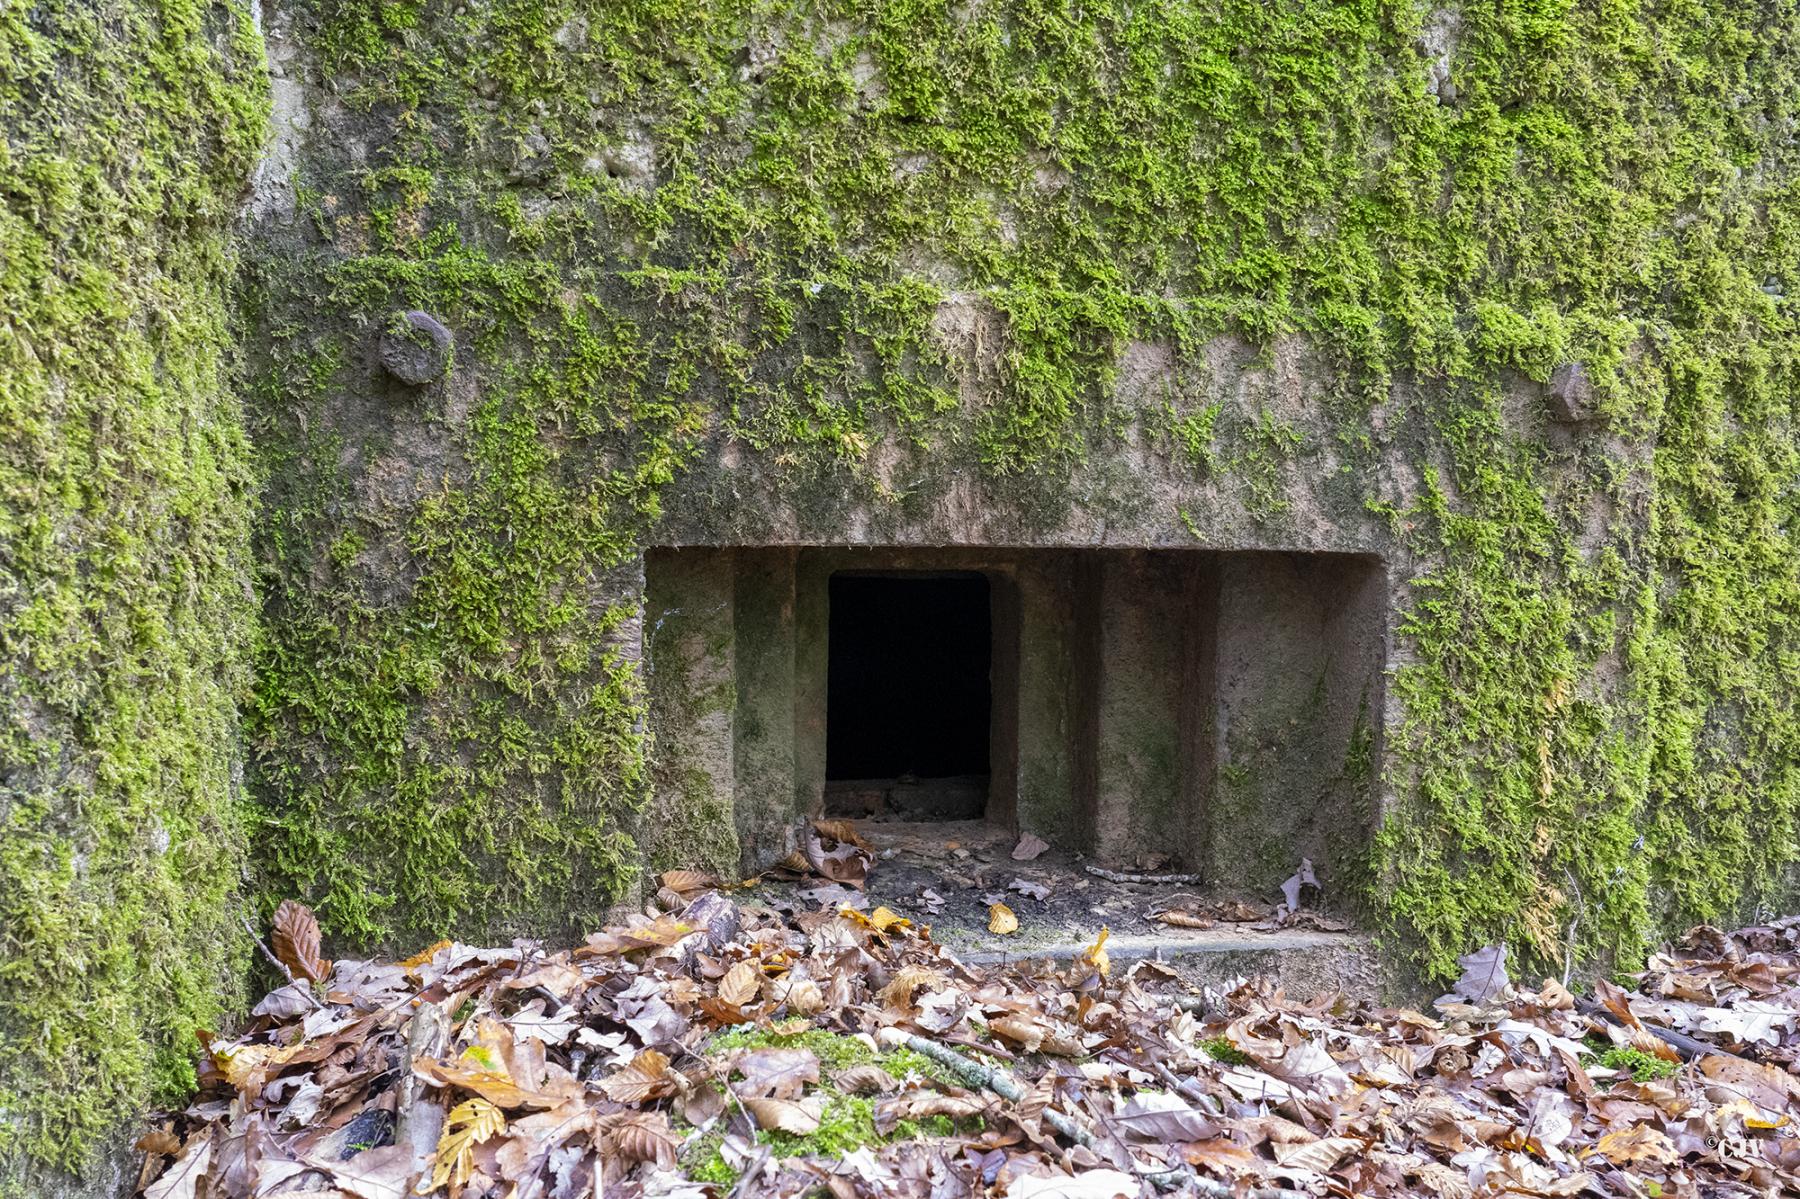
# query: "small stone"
(415, 348)
(1571, 394)
(533, 161)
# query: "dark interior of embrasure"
(909, 695)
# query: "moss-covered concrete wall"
(127, 130)
(1199, 272)
(1210, 273)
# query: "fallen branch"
(1121, 876)
(994, 1079)
(1687, 1047)
(1186, 1088)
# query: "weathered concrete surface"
(1304, 962)
(763, 689)
(690, 604)
(1299, 691)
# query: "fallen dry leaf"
(495, 1086)
(541, 1072)
(741, 984)
(1001, 920)
(643, 1078)
(470, 1123)
(1635, 1145)
(777, 1073)
(296, 941)
(796, 1117)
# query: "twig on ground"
(1688, 1047)
(1187, 1090)
(994, 1079)
(277, 962)
(1122, 876)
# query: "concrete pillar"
(812, 671)
(1145, 636)
(1299, 709)
(764, 803)
(1048, 700)
(690, 633)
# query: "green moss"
(847, 1121)
(1643, 1067)
(834, 1051)
(940, 228)
(1220, 1049)
(934, 227)
(126, 133)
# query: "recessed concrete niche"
(1211, 712)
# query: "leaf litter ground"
(725, 1047)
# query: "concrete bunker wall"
(1210, 711)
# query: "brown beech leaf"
(640, 1137)
(683, 881)
(798, 1117)
(158, 1140)
(665, 930)
(866, 1080)
(495, 1086)
(777, 1073)
(296, 941)
(1029, 847)
(720, 1012)
(1640, 1143)
(1024, 1031)
(644, 1078)
(802, 995)
(1089, 1184)
(1219, 1154)
(1320, 1155)
(741, 984)
(186, 1172)
(1163, 1118)
(898, 993)
(1765, 1086)
(424, 955)
(922, 1103)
